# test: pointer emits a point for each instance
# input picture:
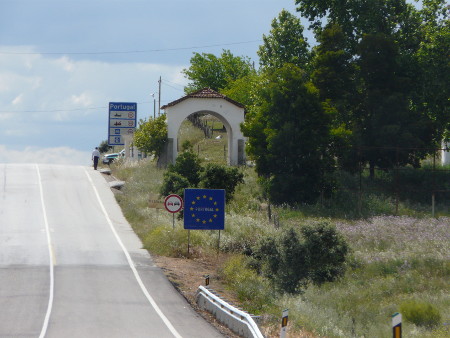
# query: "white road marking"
(51, 258)
(132, 265)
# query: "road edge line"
(51, 258)
(131, 264)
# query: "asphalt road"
(70, 265)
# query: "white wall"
(229, 114)
(445, 155)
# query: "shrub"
(216, 176)
(251, 289)
(292, 261)
(420, 313)
(188, 165)
(326, 251)
(173, 184)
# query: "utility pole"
(154, 105)
(159, 97)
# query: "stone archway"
(229, 112)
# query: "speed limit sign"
(173, 203)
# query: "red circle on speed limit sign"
(173, 203)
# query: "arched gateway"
(208, 101)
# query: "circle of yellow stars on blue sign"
(197, 212)
(204, 209)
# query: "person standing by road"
(95, 157)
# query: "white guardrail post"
(236, 320)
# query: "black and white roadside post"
(173, 204)
(284, 321)
(397, 325)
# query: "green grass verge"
(395, 260)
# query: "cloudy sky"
(62, 61)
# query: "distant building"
(445, 156)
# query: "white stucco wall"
(445, 155)
(229, 114)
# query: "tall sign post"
(204, 209)
(122, 121)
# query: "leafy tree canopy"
(151, 136)
(285, 43)
(217, 73)
(104, 147)
(217, 176)
(289, 136)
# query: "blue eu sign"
(204, 209)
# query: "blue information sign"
(204, 209)
(122, 121)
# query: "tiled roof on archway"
(205, 93)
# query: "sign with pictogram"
(204, 209)
(173, 203)
(122, 121)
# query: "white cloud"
(48, 101)
(18, 99)
(84, 100)
(66, 64)
(58, 155)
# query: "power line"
(130, 51)
(168, 85)
(173, 83)
(59, 110)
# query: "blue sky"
(62, 61)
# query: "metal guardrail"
(237, 320)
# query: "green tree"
(359, 17)
(243, 90)
(217, 176)
(288, 137)
(433, 83)
(284, 44)
(209, 71)
(334, 74)
(394, 134)
(151, 136)
(397, 104)
(104, 147)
